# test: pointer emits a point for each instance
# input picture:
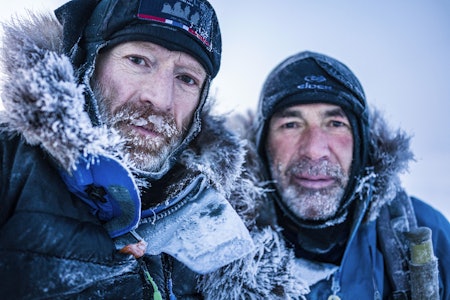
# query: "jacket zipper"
(167, 263)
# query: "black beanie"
(187, 26)
(309, 77)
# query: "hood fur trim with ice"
(389, 157)
(45, 104)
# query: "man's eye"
(338, 123)
(187, 79)
(137, 60)
(289, 125)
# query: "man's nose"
(314, 144)
(158, 91)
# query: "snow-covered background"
(400, 51)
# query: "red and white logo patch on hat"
(190, 15)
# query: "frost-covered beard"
(308, 203)
(147, 153)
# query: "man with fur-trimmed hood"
(335, 222)
(114, 175)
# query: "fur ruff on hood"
(45, 104)
(269, 272)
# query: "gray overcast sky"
(400, 51)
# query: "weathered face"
(310, 149)
(149, 95)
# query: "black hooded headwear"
(309, 77)
(187, 26)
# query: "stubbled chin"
(312, 204)
(148, 161)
